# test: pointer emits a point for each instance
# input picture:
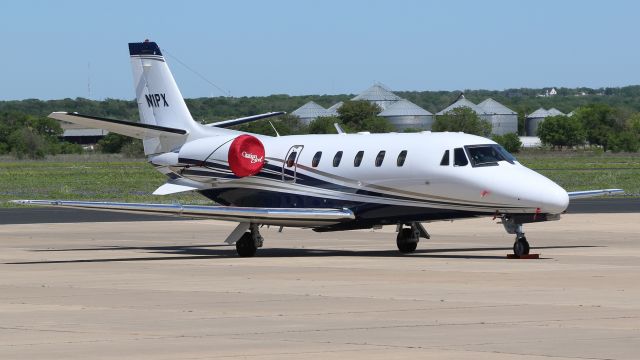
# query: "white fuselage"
(421, 181)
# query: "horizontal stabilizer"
(179, 185)
(128, 128)
(266, 216)
(169, 188)
(242, 120)
(592, 193)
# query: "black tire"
(521, 247)
(404, 243)
(246, 247)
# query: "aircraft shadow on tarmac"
(202, 252)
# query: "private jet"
(330, 182)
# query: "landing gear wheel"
(521, 246)
(246, 246)
(405, 245)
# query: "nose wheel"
(521, 246)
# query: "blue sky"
(318, 47)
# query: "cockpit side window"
(488, 155)
(445, 159)
(459, 157)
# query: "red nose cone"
(246, 155)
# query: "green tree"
(633, 124)
(561, 130)
(354, 113)
(377, 124)
(623, 141)
(324, 125)
(25, 142)
(112, 143)
(133, 149)
(27, 135)
(599, 122)
(629, 138)
(462, 119)
(511, 142)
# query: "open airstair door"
(290, 164)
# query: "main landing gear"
(521, 245)
(408, 237)
(249, 242)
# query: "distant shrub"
(462, 119)
(561, 130)
(511, 142)
(133, 149)
(113, 143)
(623, 141)
(26, 143)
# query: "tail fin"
(160, 102)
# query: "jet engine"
(244, 154)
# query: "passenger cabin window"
(402, 157)
(292, 158)
(316, 159)
(337, 158)
(459, 158)
(445, 159)
(380, 158)
(488, 155)
(358, 159)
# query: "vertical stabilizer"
(159, 99)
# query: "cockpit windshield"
(488, 155)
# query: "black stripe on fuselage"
(215, 170)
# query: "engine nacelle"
(244, 153)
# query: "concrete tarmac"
(172, 290)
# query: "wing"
(128, 128)
(242, 120)
(592, 193)
(267, 216)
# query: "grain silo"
(463, 102)
(503, 120)
(309, 112)
(533, 120)
(403, 114)
(379, 95)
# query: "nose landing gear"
(521, 245)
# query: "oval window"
(380, 158)
(402, 157)
(337, 158)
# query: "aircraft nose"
(534, 190)
(555, 199)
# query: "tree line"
(523, 101)
(607, 117)
(23, 135)
(595, 124)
